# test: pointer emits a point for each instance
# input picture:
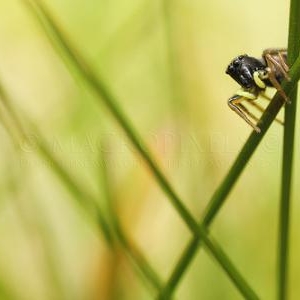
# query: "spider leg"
(276, 83)
(275, 51)
(247, 112)
(281, 65)
(281, 54)
(261, 109)
(234, 103)
(275, 66)
(284, 64)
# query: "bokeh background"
(165, 63)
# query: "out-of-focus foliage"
(165, 62)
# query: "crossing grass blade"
(60, 41)
(86, 200)
(230, 180)
(122, 238)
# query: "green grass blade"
(82, 196)
(130, 249)
(136, 256)
(235, 171)
(133, 252)
(85, 199)
(287, 162)
(5, 291)
(176, 103)
(104, 93)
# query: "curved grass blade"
(60, 41)
(131, 251)
(99, 87)
(230, 179)
(80, 193)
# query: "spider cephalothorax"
(254, 75)
(241, 69)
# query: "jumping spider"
(254, 76)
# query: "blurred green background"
(165, 62)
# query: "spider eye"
(230, 69)
(236, 63)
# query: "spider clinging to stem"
(254, 76)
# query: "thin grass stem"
(86, 200)
(88, 74)
(230, 180)
(129, 248)
(287, 159)
(60, 41)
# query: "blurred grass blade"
(288, 154)
(176, 101)
(136, 256)
(131, 251)
(84, 198)
(129, 248)
(229, 181)
(5, 291)
(55, 34)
